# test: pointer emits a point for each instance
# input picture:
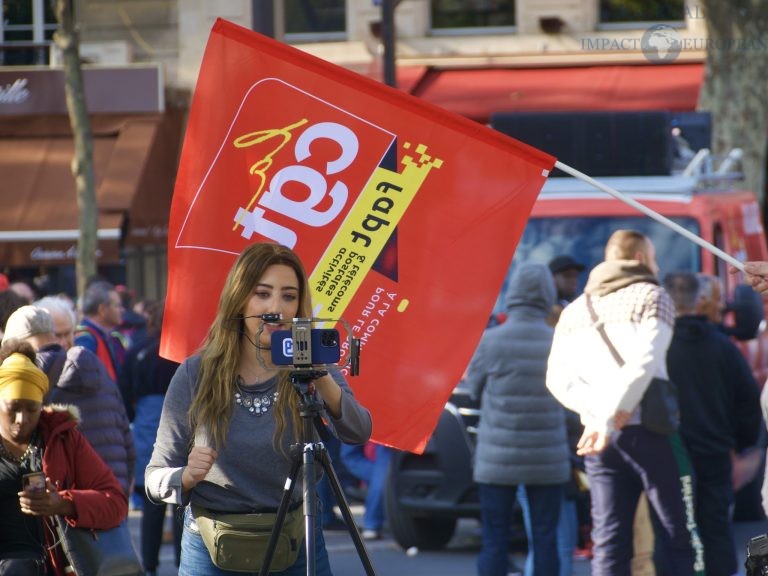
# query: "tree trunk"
(66, 38)
(735, 89)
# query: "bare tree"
(735, 89)
(66, 38)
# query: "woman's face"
(18, 419)
(277, 292)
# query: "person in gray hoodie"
(522, 438)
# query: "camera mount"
(302, 335)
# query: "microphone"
(269, 317)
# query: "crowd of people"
(86, 399)
(83, 356)
(558, 354)
(167, 436)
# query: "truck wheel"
(423, 533)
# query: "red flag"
(405, 216)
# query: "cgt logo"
(289, 173)
(288, 347)
(315, 182)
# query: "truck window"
(584, 239)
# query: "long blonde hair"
(213, 402)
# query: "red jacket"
(81, 476)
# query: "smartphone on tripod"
(325, 342)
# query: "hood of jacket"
(531, 286)
(47, 356)
(57, 418)
(83, 371)
(613, 275)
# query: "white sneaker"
(371, 534)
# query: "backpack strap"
(103, 350)
(600, 327)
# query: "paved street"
(458, 559)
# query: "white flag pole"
(655, 215)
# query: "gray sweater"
(249, 474)
(522, 437)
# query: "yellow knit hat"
(20, 379)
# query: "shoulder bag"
(659, 410)
(98, 552)
(238, 542)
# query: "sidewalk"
(743, 531)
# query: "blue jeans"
(497, 504)
(195, 560)
(373, 473)
(567, 532)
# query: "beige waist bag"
(238, 542)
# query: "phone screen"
(33, 482)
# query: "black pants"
(637, 460)
(152, 524)
(714, 498)
(22, 567)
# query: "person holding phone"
(230, 414)
(47, 468)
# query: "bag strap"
(601, 329)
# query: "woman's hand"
(46, 502)
(199, 463)
(330, 392)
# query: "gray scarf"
(612, 275)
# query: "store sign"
(47, 254)
(15, 92)
(132, 89)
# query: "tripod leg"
(310, 505)
(341, 500)
(282, 510)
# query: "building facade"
(473, 57)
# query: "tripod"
(305, 454)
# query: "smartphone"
(33, 482)
(326, 347)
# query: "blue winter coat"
(84, 382)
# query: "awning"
(479, 92)
(134, 169)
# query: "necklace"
(18, 460)
(257, 403)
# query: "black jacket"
(719, 397)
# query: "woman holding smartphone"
(47, 468)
